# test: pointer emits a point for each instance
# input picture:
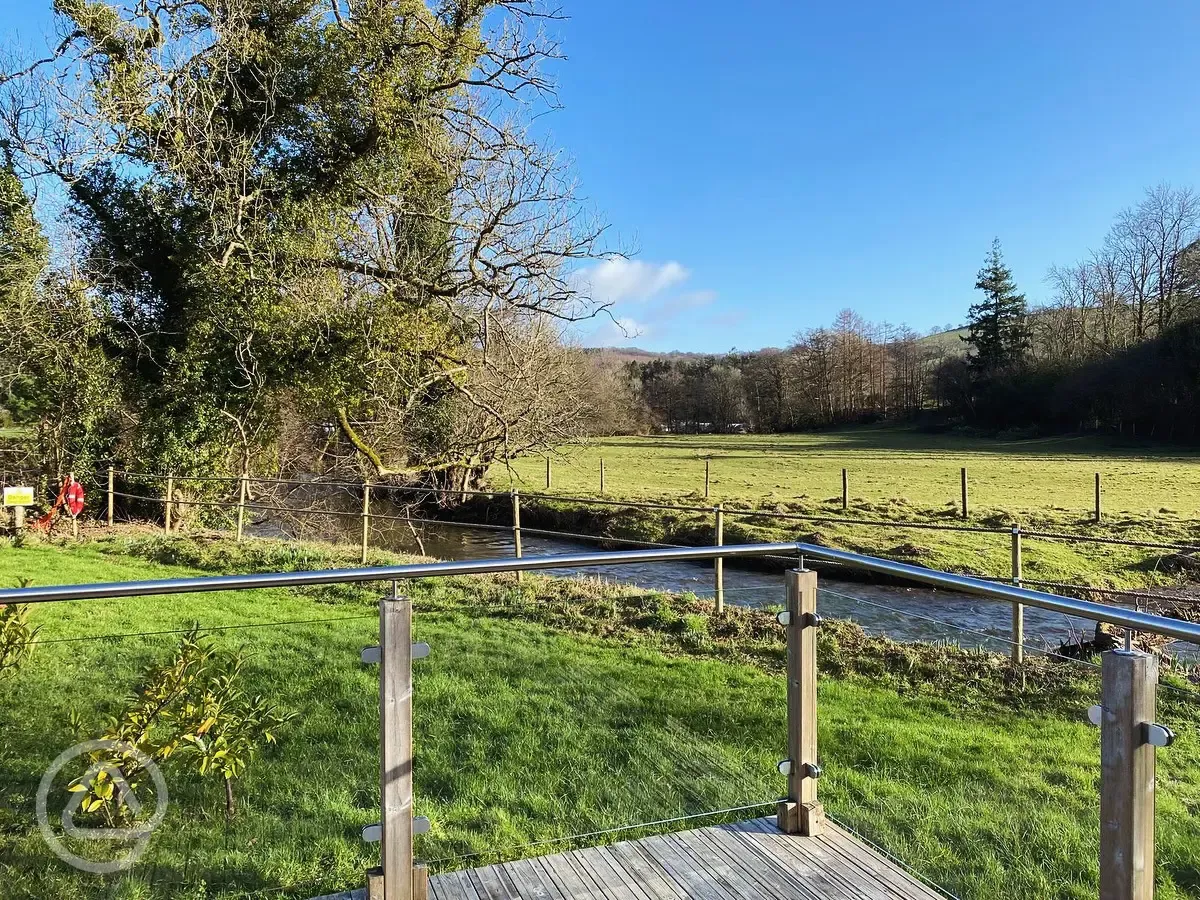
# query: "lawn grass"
(919, 468)
(896, 475)
(540, 715)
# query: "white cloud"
(655, 293)
(617, 279)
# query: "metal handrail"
(1084, 609)
(210, 583)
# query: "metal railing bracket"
(1158, 735)
(373, 655)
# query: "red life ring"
(74, 497)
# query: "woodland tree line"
(853, 371)
(1117, 348)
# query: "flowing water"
(903, 613)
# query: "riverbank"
(535, 695)
(930, 539)
(895, 475)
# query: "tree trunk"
(230, 803)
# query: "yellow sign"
(18, 496)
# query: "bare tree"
(364, 182)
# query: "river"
(902, 613)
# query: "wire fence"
(305, 507)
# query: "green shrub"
(16, 638)
(190, 708)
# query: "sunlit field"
(883, 464)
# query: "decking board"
(746, 861)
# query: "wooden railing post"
(1018, 610)
(516, 527)
(366, 519)
(845, 490)
(170, 499)
(243, 492)
(1098, 510)
(964, 492)
(110, 496)
(719, 563)
(395, 717)
(800, 812)
(707, 467)
(1129, 682)
(549, 475)
(602, 474)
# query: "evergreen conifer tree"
(998, 324)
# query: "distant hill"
(949, 342)
(636, 354)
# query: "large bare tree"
(334, 208)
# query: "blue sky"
(774, 162)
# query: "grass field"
(554, 708)
(921, 469)
(895, 475)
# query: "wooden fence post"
(801, 813)
(395, 744)
(170, 499)
(110, 496)
(549, 475)
(845, 490)
(366, 520)
(707, 466)
(243, 492)
(602, 474)
(516, 517)
(1128, 686)
(1018, 610)
(964, 492)
(1098, 510)
(719, 563)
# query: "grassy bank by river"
(896, 476)
(535, 697)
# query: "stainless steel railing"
(1085, 609)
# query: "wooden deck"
(747, 861)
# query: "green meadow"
(919, 468)
(554, 708)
